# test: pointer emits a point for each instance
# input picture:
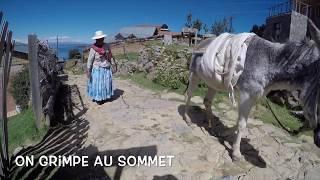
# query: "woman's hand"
(109, 55)
(88, 74)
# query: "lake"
(63, 48)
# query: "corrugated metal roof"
(138, 31)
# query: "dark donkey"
(268, 66)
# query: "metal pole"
(57, 46)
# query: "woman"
(99, 72)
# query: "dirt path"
(151, 122)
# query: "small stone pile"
(165, 65)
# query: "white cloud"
(62, 39)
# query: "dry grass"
(18, 61)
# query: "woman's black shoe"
(100, 102)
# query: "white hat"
(99, 35)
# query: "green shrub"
(131, 56)
(76, 70)
(171, 67)
(20, 88)
(74, 54)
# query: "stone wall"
(293, 27)
(285, 21)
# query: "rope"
(294, 132)
(316, 107)
(128, 106)
(114, 65)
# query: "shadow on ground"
(67, 137)
(117, 93)
(224, 135)
(165, 177)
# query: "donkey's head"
(310, 94)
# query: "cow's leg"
(245, 104)
(208, 103)
(193, 83)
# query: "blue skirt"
(100, 86)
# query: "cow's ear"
(314, 31)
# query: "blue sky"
(77, 20)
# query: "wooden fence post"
(3, 38)
(5, 60)
(35, 80)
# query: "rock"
(151, 75)
(172, 96)
(143, 58)
(181, 54)
(312, 174)
(306, 139)
(184, 61)
(285, 98)
(149, 67)
(140, 68)
(197, 100)
(255, 122)
(261, 174)
(292, 145)
(227, 178)
(129, 67)
(292, 103)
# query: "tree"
(258, 30)
(221, 26)
(205, 28)
(231, 30)
(197, 24)
(189, 20)
(20, 88)
(74, 54)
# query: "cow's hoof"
(188, 123)
(187, 120)
(236, 156)
(210, 125)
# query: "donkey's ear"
(314, 31)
